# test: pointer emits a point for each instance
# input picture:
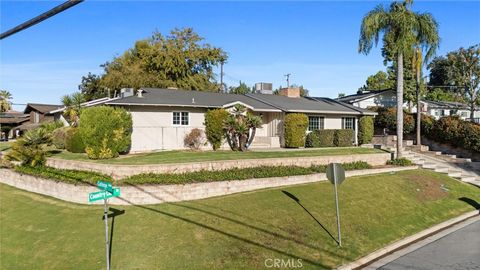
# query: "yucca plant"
(240, 128)
(30, 149)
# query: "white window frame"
(180, 119)
(344, 122)
(321, 122)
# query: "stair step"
(438, 153)
(429, 165)
(452, 156)
(441, 169)
(456, 174)
(468, 178)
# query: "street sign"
(335, 170)
(336, 175)
(104, 185)
(99, 195)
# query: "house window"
(180, 119)
(315, 122)
(348, 123)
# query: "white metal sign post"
(336, 175)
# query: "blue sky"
(314, 41)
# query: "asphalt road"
(458, 250)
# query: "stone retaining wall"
(155, 194)
(122, 171)
(452, 150)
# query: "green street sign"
(115, 192)
(104, 185)
(99, 195)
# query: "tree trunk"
(399, 105)
(472, 112)
(419, 113)
(251, 137)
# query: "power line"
(40, 18)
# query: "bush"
(214, 120)
(59, 137)
(30, 149)
(73, 141)
(343, 137)
(452, 130)
(320, 138)
(449, 130)
(400, 162)
(235, 174)
(68, 176)
(365, 130)
(295, 127)
(387, 118)
(427, 123)
(49, 127)
(105, 131)
(194, 139)
(471, 137)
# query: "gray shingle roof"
(258, 102)
(361, 96)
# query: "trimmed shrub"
(471, 137)
(449, 130)
(105, 131)
(365, 130)
(68, 176)
(49, 127)
(73, 141)
(194, 139)
(295, 126)
(214, 121)
(452, 130)
(427, 123)
(59, 137)
(400, 162)
(387, 118)
(343, 137)
(320, 138)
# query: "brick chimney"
(292, 92)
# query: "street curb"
(376, 255)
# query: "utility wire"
(52, 12)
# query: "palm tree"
(73, 106)
(401, 29)
(5, 104)
(417, 66)
(240, 128)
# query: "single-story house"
(374, 98)
(10, 120)
(439, 109)
(38, 114)
(162, 117)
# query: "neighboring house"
(38, 114)
(9, 120)
(162, 117)
(91, 103)
(378, 98)
(439, 109)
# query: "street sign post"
(336, 175)
(106, 191)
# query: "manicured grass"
(4, 146)
(238, 231)
(197, 156)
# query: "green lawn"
(232, 232)
(196, 156)
(4, 146)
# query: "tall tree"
(180, 60)
(464, 73)
(401, 29)
(73, 104)
(91, 87)
(417, 61)
(378, 81)
(5, 104)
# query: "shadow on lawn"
(297, 200)
(112, 215)
(230, 234)
(472, 202)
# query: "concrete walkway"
(459, 249)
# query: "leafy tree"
(180, 60)
(242, 88)
(401, 29)
(91, 87)
(439, 94)
(73, 104)
(340, 95)
(379, 81)
(438, 72)
(5, 104)
(240, 128)
(464, 73)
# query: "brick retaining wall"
(155, 194)
(121, 171)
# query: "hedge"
(214, 120)
(365, 130)
(73, 141)
(295, 126)
(452, 130)
(67, 176)
(106, 131)
(387, 118)
(343, 137)
(235, 174)
(59, 137)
